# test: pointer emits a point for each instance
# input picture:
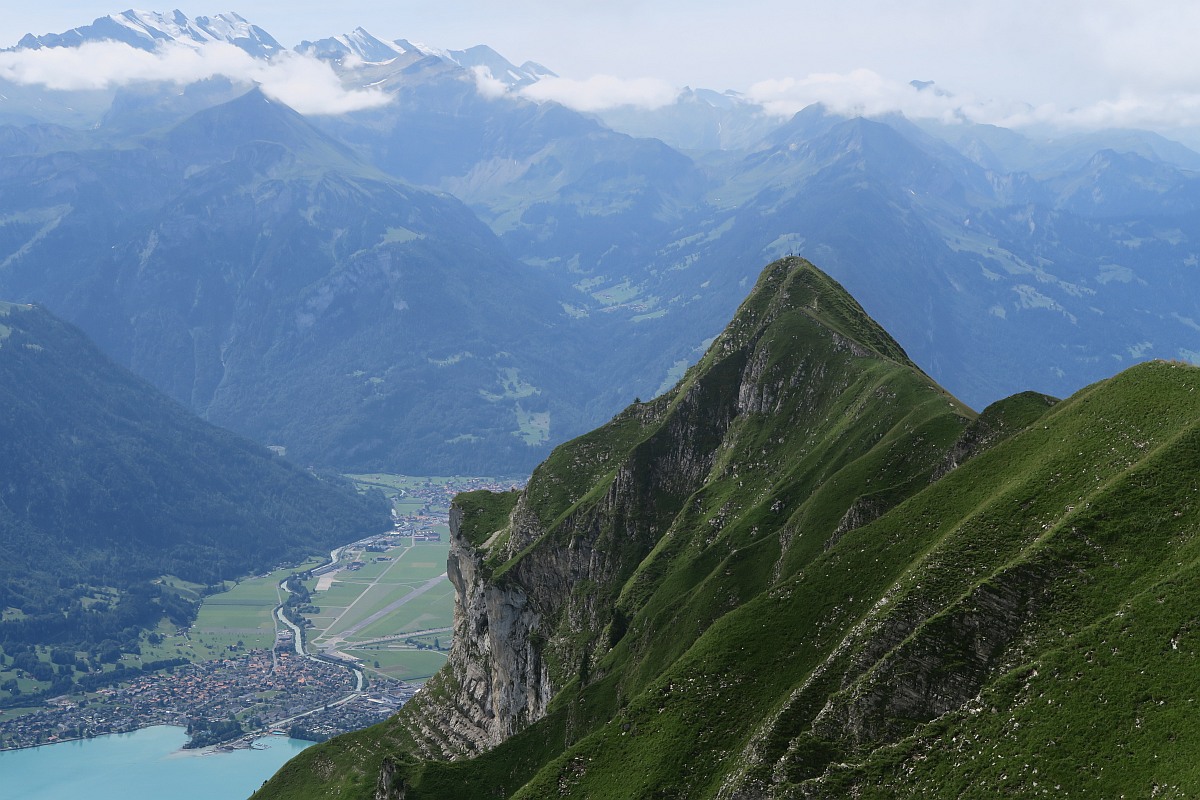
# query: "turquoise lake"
(144, 764)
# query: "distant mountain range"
(462, 277)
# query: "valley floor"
(382, 608)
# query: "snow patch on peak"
(498, 67)
(148, 30)
(358, 44)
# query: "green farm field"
(352, 604)
(434, 609)
(373, 599)
(408, 664)
(230, 622)
(241, 618)
(412, 495)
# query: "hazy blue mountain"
(502, 155)
(1000, 260)
(699, 119)
(32, 105)
(590, 206)
(260, 272)
(24, 140)
(992, 281)
(661, 247)
(141, 108)
(499, 67)
(1004, 150)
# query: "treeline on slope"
(106, 486)
(68, 672)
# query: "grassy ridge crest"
(828, 577)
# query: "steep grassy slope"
(803, 421)
(1092, 694)
(758, 587)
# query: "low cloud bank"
(601, 92)
(866, 93)
(311, 86)
(863, 92)
(306, 84)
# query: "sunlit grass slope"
(826, 577)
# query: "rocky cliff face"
(534, 601)
(537, 597)
(502, 682)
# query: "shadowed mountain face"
(807, 571)
(106, 485)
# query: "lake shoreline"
(139, 763)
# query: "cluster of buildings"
(436, 496)
(260, 691)
(361, 712)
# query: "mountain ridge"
(147, 30)
(815, 587)
(266, 243)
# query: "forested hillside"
(106, 485)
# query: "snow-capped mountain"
(147, 30)
(370, 49)
(501, 68)
(360, 44)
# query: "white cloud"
(311, 87)
(601, 92)
(488, 86)
(863, 92)
(306, 84)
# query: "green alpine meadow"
(808, 571)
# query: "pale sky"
(1089, 62)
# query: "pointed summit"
(359, 44)
(500, 68)
(218, 131)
